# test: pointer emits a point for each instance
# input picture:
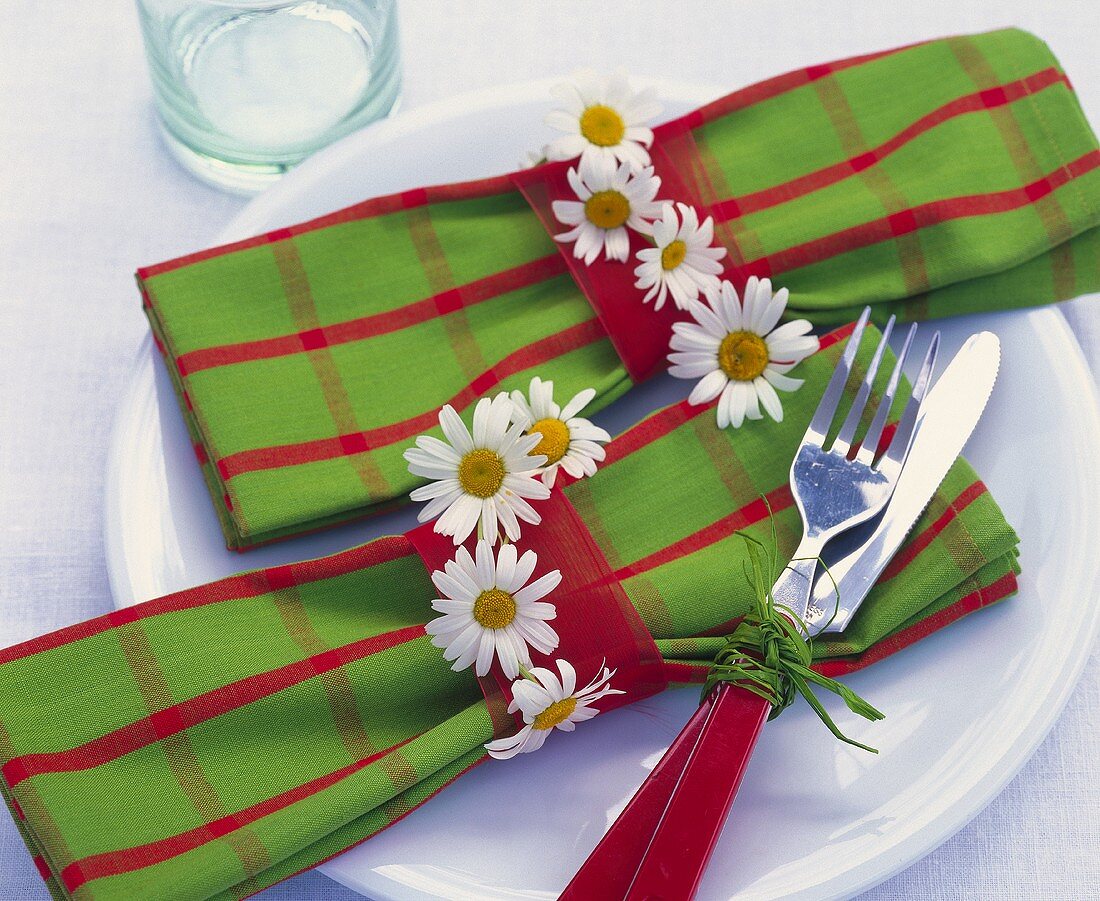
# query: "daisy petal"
(782, 382)
(455, 430)
(769, 400)
(708, 388)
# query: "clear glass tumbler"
(246, 89)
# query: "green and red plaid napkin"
(953, 176)
(213, 742)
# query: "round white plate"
(814, 818)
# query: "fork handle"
(609, 871)
(675, 860)
(673, 864)
(677, 857)
(659, 846)
(795, 584)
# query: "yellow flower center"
(481, 472)
(673, 255)
(602, 126)
(555, 439)
(607, 209)
(558, 712)
(494, 608)
(742, 356)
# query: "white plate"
(966, 707)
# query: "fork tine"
(851, 422)
(899, 444)
(869, 446)
(823, 416)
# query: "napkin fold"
(948, 177)
(215, 741)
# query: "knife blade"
(952, 409)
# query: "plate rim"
(262, 211)
(1049, 712)
(248, 221)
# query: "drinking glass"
(245, 89)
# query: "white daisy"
(683, 263)
(609, 201)
(489, 609)
(735, 351)
(549, 703)
(603, 119)
(486, 477)
(565, 439)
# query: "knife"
(630, 862)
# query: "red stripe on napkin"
(909, 552)
(925, 215)
(112, 863)
(246, 585)
(770, 88)
(376, 206)
(42, 867)
(534, 354)
(982, 596)
(379, 324)
(753, 512)
(978, 101)
(178, 717)
(392, 822)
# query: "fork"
(659, 846)
(834, 488)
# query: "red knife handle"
(610, 869)
(676, 858)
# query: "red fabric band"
(640, 341)
(596, 621)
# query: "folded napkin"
(215, 741)
(949, 177)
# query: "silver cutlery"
(834, 489)
(854, 560)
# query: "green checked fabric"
(950, 177)
(213, 742)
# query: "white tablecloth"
(87, 193)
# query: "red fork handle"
(658, 848)
(610, 869)
(675, 861)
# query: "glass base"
(244, 179)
